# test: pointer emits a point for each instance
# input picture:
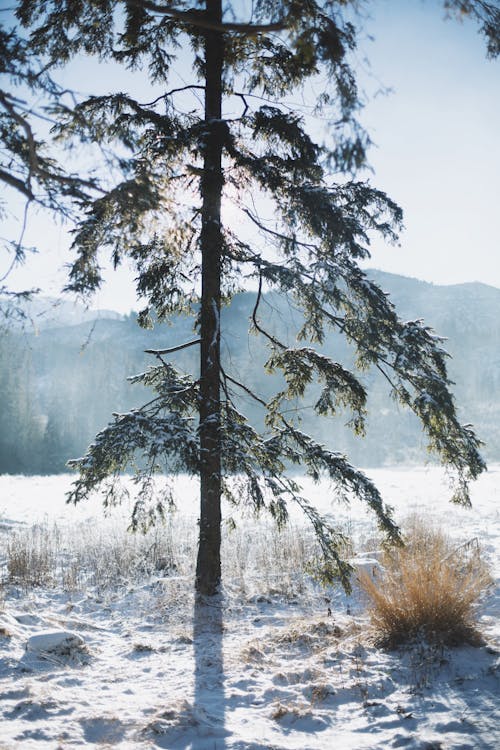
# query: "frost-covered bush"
(430, 588)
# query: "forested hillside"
(61, 379)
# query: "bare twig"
(278, 235)
(87, 341)
(243, 388)
(246, 105)
(171, 92)
(257, 325)
(158, 352)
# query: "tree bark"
(208, 568)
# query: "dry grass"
(428, 588)
(89, 554)
(31, 558)
(259, 560)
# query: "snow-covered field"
(137, 664)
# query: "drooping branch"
(35, 168)
(275, 234)
(256, 323)
(243, 388)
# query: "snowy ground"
(141, 666)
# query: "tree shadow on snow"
(198, 724)
(209, 698)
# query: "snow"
(144, 665)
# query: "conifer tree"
(220, 181)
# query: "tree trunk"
(208, 568)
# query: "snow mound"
(367, 563)
(8, 625)
(56, 642)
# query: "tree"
(220, 181)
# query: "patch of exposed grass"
(430, 588)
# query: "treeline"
(60, 386)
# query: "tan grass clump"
(429, 587)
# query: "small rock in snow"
(58, 642)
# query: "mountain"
(60, 384)
(40, 313)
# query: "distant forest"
(60, 384)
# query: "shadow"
(209, 698)
(199, 723)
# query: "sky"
(436, 152)
(437, 143)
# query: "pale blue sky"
(437, 153)
(437, 136)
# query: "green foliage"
(28, 168)
(486, 14)
(300, 367)
(26, 164)
(323, 219)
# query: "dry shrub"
(429, 587)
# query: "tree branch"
(34, 162)
(172, 91)
(195, 19)
(243, 387)
(257, 324)
(159, 352)
(14, 182)
(245, 103)
(22, 122)
(278, 235)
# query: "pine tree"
(221, 181)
